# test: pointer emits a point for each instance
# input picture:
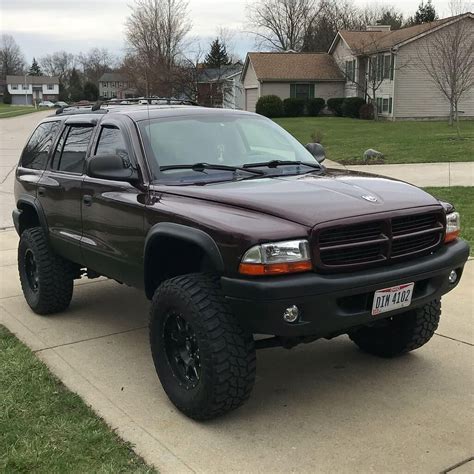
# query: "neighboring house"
(289, 74)
(115, 85)
(390, 62)
(26, 89)
(221, 87)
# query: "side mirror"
(113, 167)
(317, 150)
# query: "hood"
(312, 198)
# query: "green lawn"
(44, 428)
(463, 200)
(400, 142)
(14, 110)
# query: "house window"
(14, 86)
(50, 87)
(112, 84)
(302, 91)
(104, 85)
(25, 87)
(384, 105)
(387, 65)
(351, 70)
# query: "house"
(115, 85)
(26, 89)
(386, 66)
(221, 87)
(290, 74)
(377, 64)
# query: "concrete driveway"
(324, 407)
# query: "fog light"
(291, 314)
(453, 276)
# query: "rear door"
(113, 211)
(60, 188)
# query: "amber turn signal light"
(262, 269)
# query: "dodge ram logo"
(369, 197)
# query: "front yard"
(346, 139)
(14, 110)
(46, 428)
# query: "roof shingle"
(289, 66)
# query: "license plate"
(392, 298)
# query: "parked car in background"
(46, 103)
(61, 103)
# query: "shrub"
(351, 106)
(366, 112)
(7, 97)
(335, 105)
(315, 106)
(269, 106)
(293, 107)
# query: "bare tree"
(156, 30)
(95, 62)
(448, 59)
(12, 60)
(282, 24)
(58, 64)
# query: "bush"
(269, 106)
(7, 97)
(315, 106)
(351, 106)
(335, 105)
(366, 112)
(293, 107)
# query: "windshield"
(228, 140)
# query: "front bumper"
(333, 304)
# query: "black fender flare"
(30, 201)
(186, 234)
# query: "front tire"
(204, 359)
(399, 334)
(46, 278)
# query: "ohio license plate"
(392, 298)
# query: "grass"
(463, 200)
(400, 142)
(44, 428)
(15, 110)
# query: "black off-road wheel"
(399, 334)
(46, 278)
(204, 359)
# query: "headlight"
(277, 258)
(453, 226)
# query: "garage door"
(251, 96)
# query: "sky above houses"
(44, 26)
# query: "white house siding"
(416, 96)
(281, 89)
(342, 53)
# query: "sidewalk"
(421, 174)
(322, 407)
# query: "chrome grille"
(347, 247)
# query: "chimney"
(378, 28)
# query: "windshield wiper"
(275, 163)
(209, 166)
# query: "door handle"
(87, 199)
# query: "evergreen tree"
(7, 97)
(217, 56)
(91, 91)
(76, 92)
(35, 69)
(426, 13)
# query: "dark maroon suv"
(233, 229)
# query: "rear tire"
(46, 278)
(402, 333)
(204, 359)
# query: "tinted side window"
(36, 151)
(111, 142)
(75, 149)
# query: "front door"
(60, 190)
(113, 211)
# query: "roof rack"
(97, 107)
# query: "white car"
(46, 103)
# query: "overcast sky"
(44, 26)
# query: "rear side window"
(72, 148)
(111, 142)
(36, 151)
